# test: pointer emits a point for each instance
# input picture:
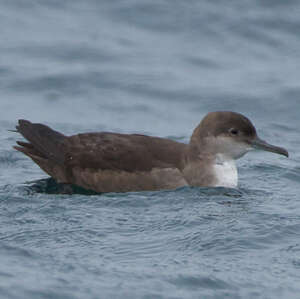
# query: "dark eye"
(233, 131)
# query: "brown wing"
(130, 153)
(109, 162)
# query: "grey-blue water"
(154, 67)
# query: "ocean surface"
(151, 67)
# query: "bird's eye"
(233, 131)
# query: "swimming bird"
(113, 162)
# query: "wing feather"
(112, 151)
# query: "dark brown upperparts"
(126, 152)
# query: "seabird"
(113, 162)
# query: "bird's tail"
(44, 143)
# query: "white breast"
(226, 173)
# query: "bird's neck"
(204, 167)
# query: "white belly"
(226, 173)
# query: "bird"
(113, 162)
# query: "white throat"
(225, 172)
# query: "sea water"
(151, 67)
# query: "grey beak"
(263, 145)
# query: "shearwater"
(112, 162)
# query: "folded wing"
(104, 162)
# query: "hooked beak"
(263, 145)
